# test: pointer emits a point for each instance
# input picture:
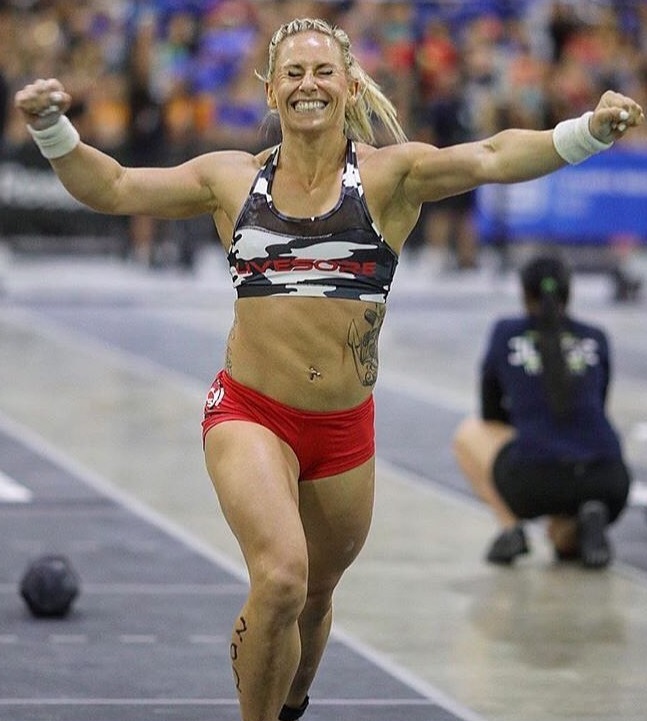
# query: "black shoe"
(292, 714)
(507, 546)
(568, 556)
(595, 549)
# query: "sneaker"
(595, 549)
(507, 546)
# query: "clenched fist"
(42, 102)
(614, 115)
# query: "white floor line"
(13, 492)
(375, 702)
(101, 485)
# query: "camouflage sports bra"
(340, 254)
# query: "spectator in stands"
(145, 143)
(4, 105)
(544, 445)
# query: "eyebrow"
(301, 66)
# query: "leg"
(437, 233)
(476, 445)
(466, 246)
(562, 532)
(582, 537)
(600, 495)
(142, 233)
(592, 521)
(336, 514)
(255, 477)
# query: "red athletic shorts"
(325, 443)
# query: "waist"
(252, 393)
(309, 353)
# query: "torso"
(513, 359)
(310, 352)
(336, 254)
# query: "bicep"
(437, 173)
(510, 156)
(175, 192)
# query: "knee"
(319, 600)
(463, 435)
(279, 586)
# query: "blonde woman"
(312, 229)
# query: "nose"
(308, 82)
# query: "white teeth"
(305, 106)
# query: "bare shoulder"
(384, 172)
(387, 167)
(228, 174)
(222, 167)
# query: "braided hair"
(546, 286)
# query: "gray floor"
(103, 369)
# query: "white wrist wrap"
(57, 140)
(574, 141)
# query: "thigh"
(533, 489)
(477, 444)
(606, 481)
(336, 513)
(255, 477)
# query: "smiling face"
(309, 87)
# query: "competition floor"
(103, 370)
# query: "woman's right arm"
(103, 184)
(100, 182)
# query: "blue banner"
(602, 199)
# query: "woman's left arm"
(517, 155)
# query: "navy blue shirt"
(513, 390)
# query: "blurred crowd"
(155, 81)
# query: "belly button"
(314, 373)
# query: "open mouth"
(308, 106)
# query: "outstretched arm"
(518, 155)
(98, 180)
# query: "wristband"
(57, 140)
(575, 142)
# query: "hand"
(42, 102)
(613, 116)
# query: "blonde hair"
(370, 101)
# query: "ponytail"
(547, 282)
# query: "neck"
(311, 157)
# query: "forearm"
(511, 156)
(525, 154)
(90, 176)
(103, 184)
(516, 155)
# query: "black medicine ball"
(49, 586)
